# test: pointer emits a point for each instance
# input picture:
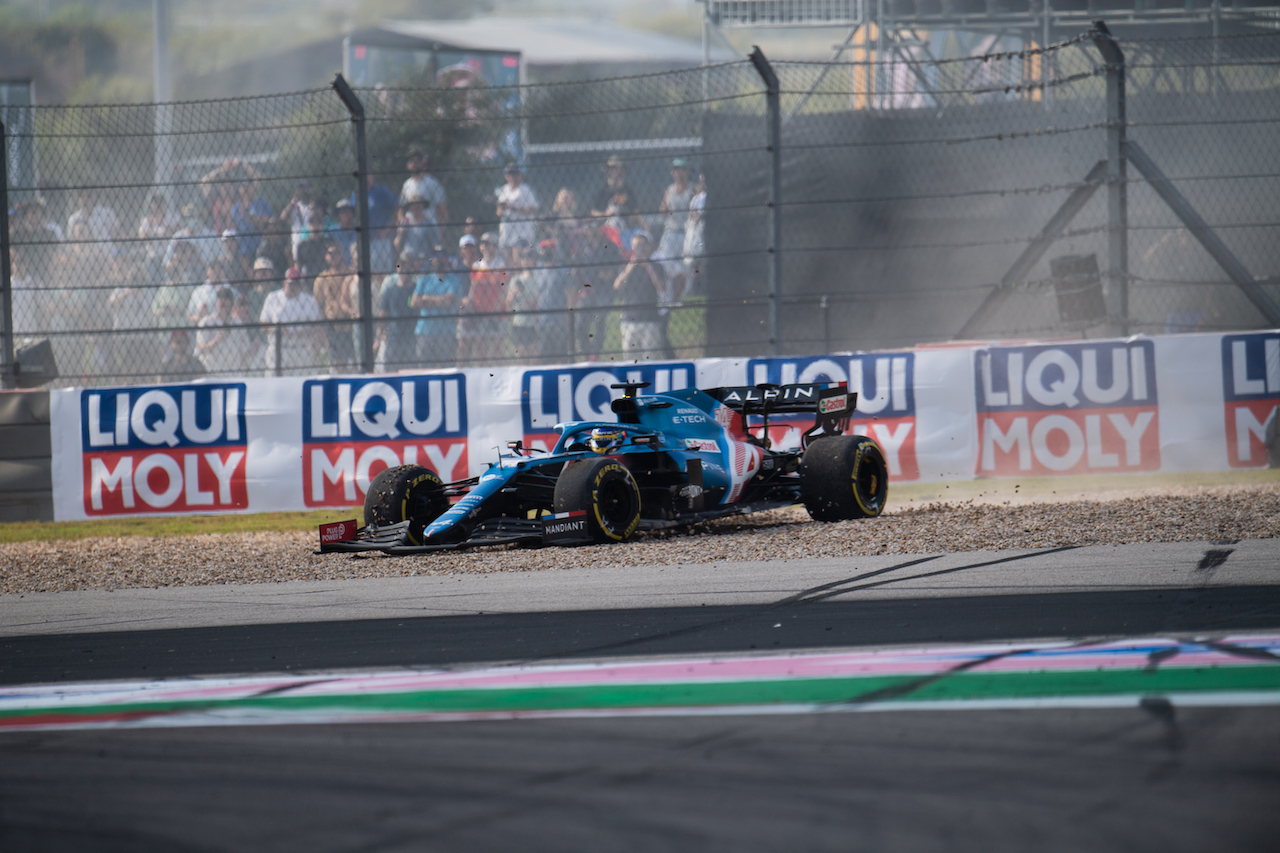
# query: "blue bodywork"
(678, 425)
(689, 452)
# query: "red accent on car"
(337, 531)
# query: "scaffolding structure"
(883, 33)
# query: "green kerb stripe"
(960, 686)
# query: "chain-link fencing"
(901, 221)
(1208, 113)
(156, 239)
(630, 218)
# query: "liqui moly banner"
(264, 445)
(354, 428)
(173, 449)
(1067, 409)
(1250, 390)
(1173, 403)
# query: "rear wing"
(822, 398)
(831, 402)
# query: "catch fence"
(882, 202)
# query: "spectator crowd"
(230, 284)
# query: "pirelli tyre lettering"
(844, 477)
(608, 493)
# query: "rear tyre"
(843, 477)
(608, 493)
(405, 492)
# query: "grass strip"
(177, 525)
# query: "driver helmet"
(605, 439)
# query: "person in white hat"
(344, 233)
(298, 349)
(518, 210)
(482, 339)
(222, 348)
(234, 261)
(675, 209)
(417, 231)
(263, 280)
(422, 184)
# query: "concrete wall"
(26, 485)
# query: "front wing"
(560, 529)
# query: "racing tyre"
(405, 492)
(608, 493)
(843, 477)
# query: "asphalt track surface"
(1151, 776)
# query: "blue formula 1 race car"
(671, 459)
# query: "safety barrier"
(26, 490)
(1141, 404)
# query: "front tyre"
(608, 493)
(405, 492)
(843, 477)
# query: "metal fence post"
(774, 147)
(8, 371)
(573, 335)
(364, 270)
(1117, 274)
(162, 157)
(825, 305)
